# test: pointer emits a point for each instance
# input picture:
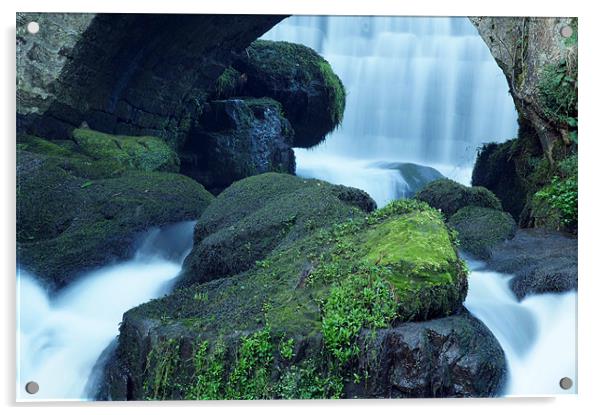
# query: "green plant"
(227, 83)
(362, 300)
(208, 372)
(558, 93)
(562, 192)
(162, 362)
(250, 377)
(287, 348)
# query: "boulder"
(312, 95)
(542, 261)
(256, 215)
(481, 229)
(237, 138)
(75, 214)
(323, 316)
(449, 196)
(416, 176)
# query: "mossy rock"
(300, 318)
(141, 153)
(449, 196)
(312, 95)
(68, 223)
(258, 214)
(481, 229)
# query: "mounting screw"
(32, 387)
(566, 31)
(566, 383)
(33, 27)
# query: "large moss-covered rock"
(319, 317)
(141, 153)
(255, 215)
(449, 196)
(237, 138)
(481, 229)
(75, 214)
(312, 95)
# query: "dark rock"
(481, 229)
(415, 175)
(456, 356)
(312, 96)
(449, 196)
(238, 138)
(75, 214)
(541, 260)
(256, 215)
(129, 74)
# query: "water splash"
(60, 338)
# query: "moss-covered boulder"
(319, 317)
(481, 229)
(238, 138)
(141, 153)
(256, 215)
(449, 196)
(312, 95)
(75, 214)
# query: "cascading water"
(427, 90)
(60, 338)
(538, 334)
(422, 90)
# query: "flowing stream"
(61, 337)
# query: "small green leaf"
(87, 184)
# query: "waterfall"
(419, 89)
(61, 337)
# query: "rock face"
(320, 316)
(449, 196)
(75, 213)
(130, 74)
(541, 68)
(256, 215)
(540, 65)
(312, 96)
(238, 138)
(481, 229)
(542, 261)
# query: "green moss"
(557, 202)
(480, 229)
(227, 83)
(142, 153)
(161, 365)
(312, 95)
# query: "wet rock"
(416, 176)
(543, 261)
(238, 138)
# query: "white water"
(538, 334)
(420, 89)
(60, 338)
